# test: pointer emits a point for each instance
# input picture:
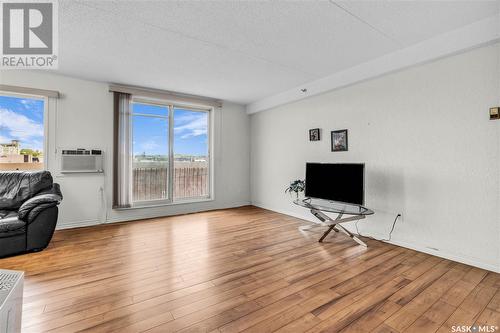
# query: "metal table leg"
(326, 233)
(354, 238)
(335, 225)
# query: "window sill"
(153, 205)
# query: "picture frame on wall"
(314, 134)
(339, 140)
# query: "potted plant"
(296, 186)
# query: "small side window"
(22, 134)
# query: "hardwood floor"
(244, 269)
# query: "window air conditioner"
(81, 160)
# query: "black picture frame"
(314, 134)
(340, 140)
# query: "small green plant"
(296, 186)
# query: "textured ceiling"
(243, 51)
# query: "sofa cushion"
(18, 186)
(9, 222)
(4, 214)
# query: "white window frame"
(171, 106)
(45, 100)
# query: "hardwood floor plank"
(373, 318)
(471, 308)
(433, 318)
(286, 316)
(300, 325)
(412, 310)
(335, 321)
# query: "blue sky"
(151, 134)
(22, 119)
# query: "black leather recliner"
(28, 211)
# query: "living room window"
(162, 147)
(170, 152)
(22, 132)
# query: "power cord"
(383, 240)
(104, 205)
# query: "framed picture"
(494, 113)
(339, 140)
(314, 134)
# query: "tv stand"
(317, 207)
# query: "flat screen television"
(343, 182)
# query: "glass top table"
(333, 206)
(317, 208)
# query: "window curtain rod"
(167, 95)
(29, 91)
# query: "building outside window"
(22, 134)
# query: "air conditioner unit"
(11, 300)
(81, 160)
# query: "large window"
(22, 137)
(170, 152)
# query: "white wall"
(84, 119)
(431, 153)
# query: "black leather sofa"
(28, 211)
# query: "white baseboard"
(448, 255)
(76, 224)
(417, 247)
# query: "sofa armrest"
(40, 230)
(43, 200)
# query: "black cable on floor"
(383, 240)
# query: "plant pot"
(299, 195)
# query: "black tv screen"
(337, 182)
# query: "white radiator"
(11, 301)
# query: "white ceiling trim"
(471, 36)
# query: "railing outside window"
(151, 183)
